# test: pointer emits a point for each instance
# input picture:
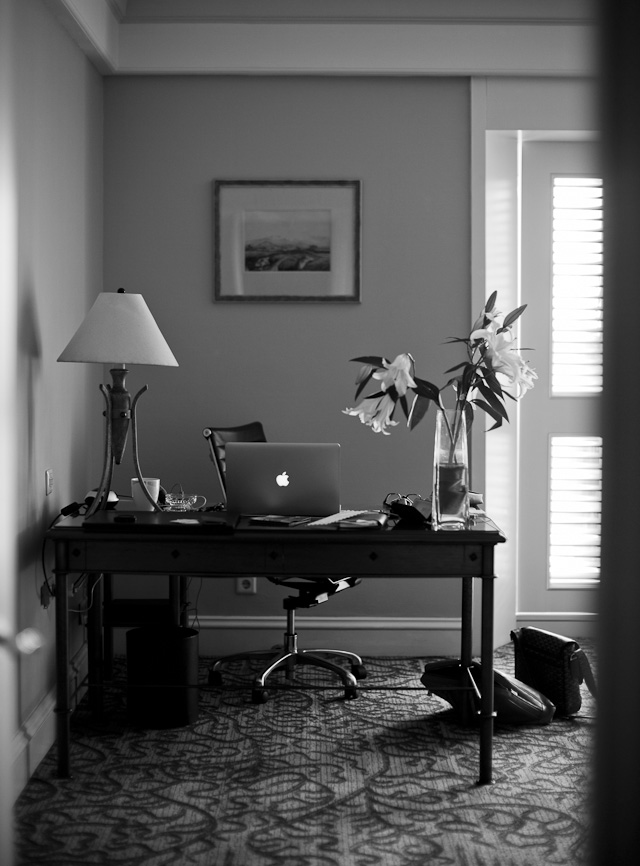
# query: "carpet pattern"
(311, 779)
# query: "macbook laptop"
(283, 478)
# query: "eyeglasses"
(403, 499)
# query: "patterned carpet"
(310, 779)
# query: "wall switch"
(48, 482)
(246, 585)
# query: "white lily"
(397, 374)
(375, 412)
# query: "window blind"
(576, 327)
(575, 507)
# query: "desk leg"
(466, 637)
(486, 684)
(96, 656)
(63, 708)
(466, 648)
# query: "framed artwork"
(284, 240)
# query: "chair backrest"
(217, 438)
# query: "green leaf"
(426, 389)
(486, 408)
(491, 302)
(365, 372)
(405, 405)
(469, 414)
(363, 384)
(511, 318)
(374, 360)
(419, 409)
(493, 400)
(492, 380)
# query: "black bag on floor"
(553, 664)
(514, 702)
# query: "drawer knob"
(274, 555)
(473, 557)
(373, 556)
(175, 554)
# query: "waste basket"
(162, 676)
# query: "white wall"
(57, 224)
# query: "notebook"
(283, 478)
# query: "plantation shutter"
(576, 327)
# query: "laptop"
(283, 478)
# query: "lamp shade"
(119, 329)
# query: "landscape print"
(287, 240)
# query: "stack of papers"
(347, 519)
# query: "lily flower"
(477, 383)
(397, 374)
(505, 359)
(375, 411)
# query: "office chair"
(310, 592)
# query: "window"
(576, 325)
(575, 508)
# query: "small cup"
(184, 501)
(140, 501)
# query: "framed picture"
(285, 240)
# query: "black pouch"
(553, 664)
(514, 702)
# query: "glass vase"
(450, 502)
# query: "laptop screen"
(283, 478)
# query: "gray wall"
(56, 132)
(407, 140)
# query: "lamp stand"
(120, 411)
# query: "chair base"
(287, 659)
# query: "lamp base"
(117, 426)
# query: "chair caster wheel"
(350, 693)
(259, 696)
(359, 671)
(215, 679)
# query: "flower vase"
(450, 502)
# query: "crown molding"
(451, 48)
(544, 50)
(95, 27)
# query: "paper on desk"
(362, 519)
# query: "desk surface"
(274, 550)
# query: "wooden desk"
(465, 555)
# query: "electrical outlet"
(246, 585)
(48, 482)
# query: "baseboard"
(381, 636)
(572, 624)
(37, 733)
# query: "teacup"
(184, 501)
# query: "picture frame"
(287, 241)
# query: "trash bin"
(162, 676)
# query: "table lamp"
(119, 330)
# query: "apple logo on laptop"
(282, 480)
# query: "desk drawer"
(309, 557)
(379, 559)
(169, 557)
